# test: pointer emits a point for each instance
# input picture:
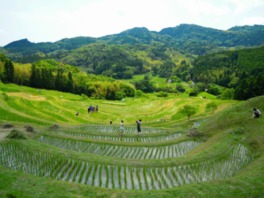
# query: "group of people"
(122, 127)
(92, 108)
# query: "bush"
(119, 95)
(193, 93)
(194, 133)
(162, 94)
(139, 93)
(29, 128)
(55, 126)
(7, 126)
(5, 96)
(227, 94)
(188, 110)
(180, 88)
(16, 134)
(211, 107)
(213, 90)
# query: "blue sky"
(52, 20)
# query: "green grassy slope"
(229, 140)
(42, 107)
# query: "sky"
(53, 20)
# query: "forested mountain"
(23, 50)
(236, 36)
(188, 39)
(231, 58)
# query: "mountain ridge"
(181, 32)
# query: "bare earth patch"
(27, 96)
(4, 133)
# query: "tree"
(47, 80)
(145, 85)
(9, 71)
(128, 89)
(34, 76)
(69, 85)
(60, 81)
(180, 88)
(211, 107)
(188, 110)
(166, 69)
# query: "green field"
(48, 151)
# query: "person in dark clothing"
(138, 125)
(256, 113)
(122, 128)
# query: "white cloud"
(51, 20)
(252, 21)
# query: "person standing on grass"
(122, 128)
(138, 125)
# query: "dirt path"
(27, 96)
(3, 133)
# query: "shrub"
(180, 88)
(29, 128)
(193, 93)
(211, 107)
(213, 90)
(119, 95)
(7, 126)
(162, 94)
(16, 134)
(139, 93)
(5, 96)
(55, 126)
(194, 133)
(188, 110)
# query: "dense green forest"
(205, 58)
(49, 74)
(242, 70)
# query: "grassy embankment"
(227, 162)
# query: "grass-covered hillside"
(46, 150)
(45, 107)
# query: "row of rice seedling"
(119, 151)
(123, 138)
(26, 160)
(20, 158)
(116, 129)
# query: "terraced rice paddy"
(144, 175)
(133, 152)
(115, 136)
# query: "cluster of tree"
(148, 85)
(49, 74)
(241, 70)
(125, 61)
(6, 69)
(110, 60)
(251, 85)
